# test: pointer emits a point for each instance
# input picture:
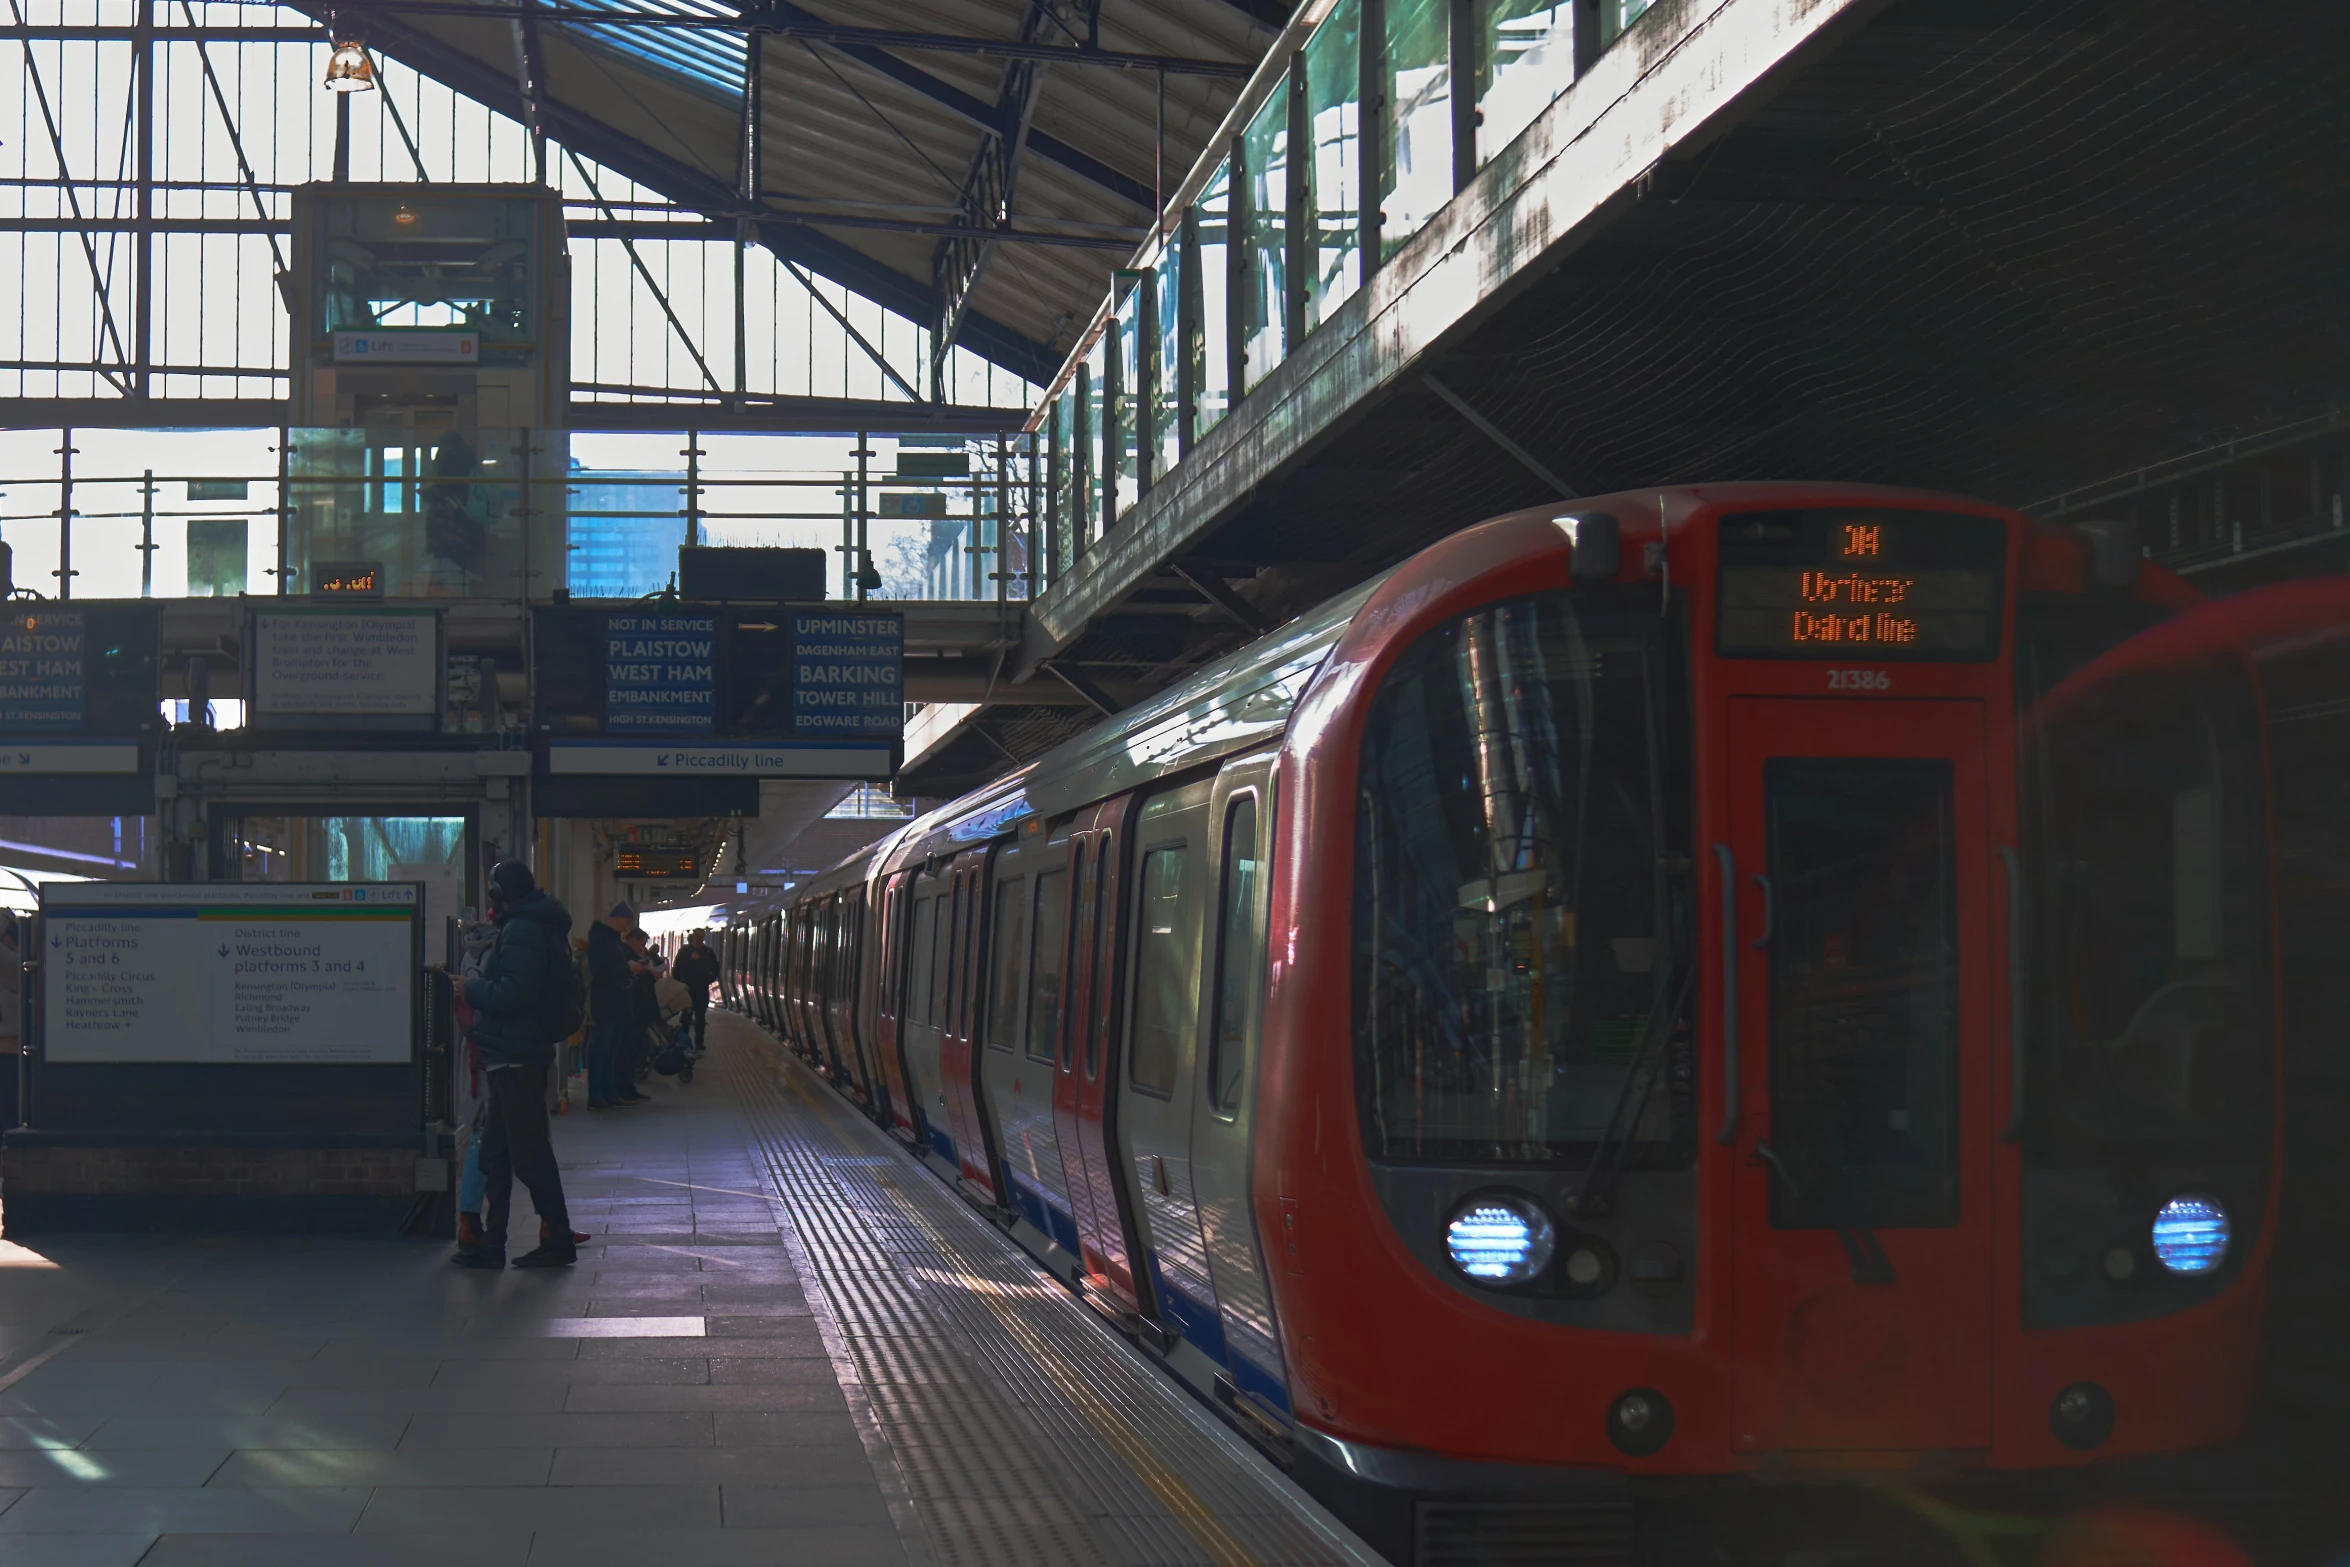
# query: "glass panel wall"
(1334, 109)
(1210, 280)
(1415, 162)
(1264, 304)
(1528, 59)
(1061, 486)
(155, 513)
(1619, 15)
(1215, 323)
(435, 514)
(1094, 407)
(1169, 364)
(1127, 389)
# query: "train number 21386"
(1859, 680)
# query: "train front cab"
(1810, 1004)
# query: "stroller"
(673, 1042)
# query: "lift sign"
(848, 675)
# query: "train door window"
(1083, 939)
(1009, 938)
(918, 969)
(1237, 943)
(944, 982)
(1105, 850)
(1864, 993)
(1162, 972)
(1048, 962)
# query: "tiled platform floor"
(674, 1399)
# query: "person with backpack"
(696, 969)
(524, 1001)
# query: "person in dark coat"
(514, 992)
(696, 969)
(611, 1068)
(644, 1001)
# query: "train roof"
(1242, 700)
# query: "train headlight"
(2191, 1234)
(1500, 1238)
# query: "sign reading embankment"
(252, 974)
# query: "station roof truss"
(982, 166)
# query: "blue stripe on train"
(1196, 1320)
(1039, 1209)
(1203, 1328)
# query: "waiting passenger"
(516, 992)
(611, 1064)
(696, 969)
(644, 1002)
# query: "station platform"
(786, 1343)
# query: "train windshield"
(2146, 863)
(1516, 984)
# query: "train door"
(769, 933)
(1856, 927)
(840, 996)
(958, 1044)
(1163, 909)
(1223, 1103)
(926, 996)
(890, 1005)
(1084, 1103)
(1027, 942)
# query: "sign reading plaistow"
(292, 972)
(40, 668)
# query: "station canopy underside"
(884, 128)
(1996, 247)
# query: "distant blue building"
(625, 531)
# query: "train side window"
(918, 970)
(1009, 936)
(1161, 972)
(1048, 964)
(1237, 943)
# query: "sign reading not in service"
(294, 972)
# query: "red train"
(1701, 981)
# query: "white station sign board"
(342, 663)
(252, 974)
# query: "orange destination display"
(1847, 584)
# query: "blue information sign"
(848, 674)
(660, 674)
(41, 669)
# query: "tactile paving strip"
(1024, 1429)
